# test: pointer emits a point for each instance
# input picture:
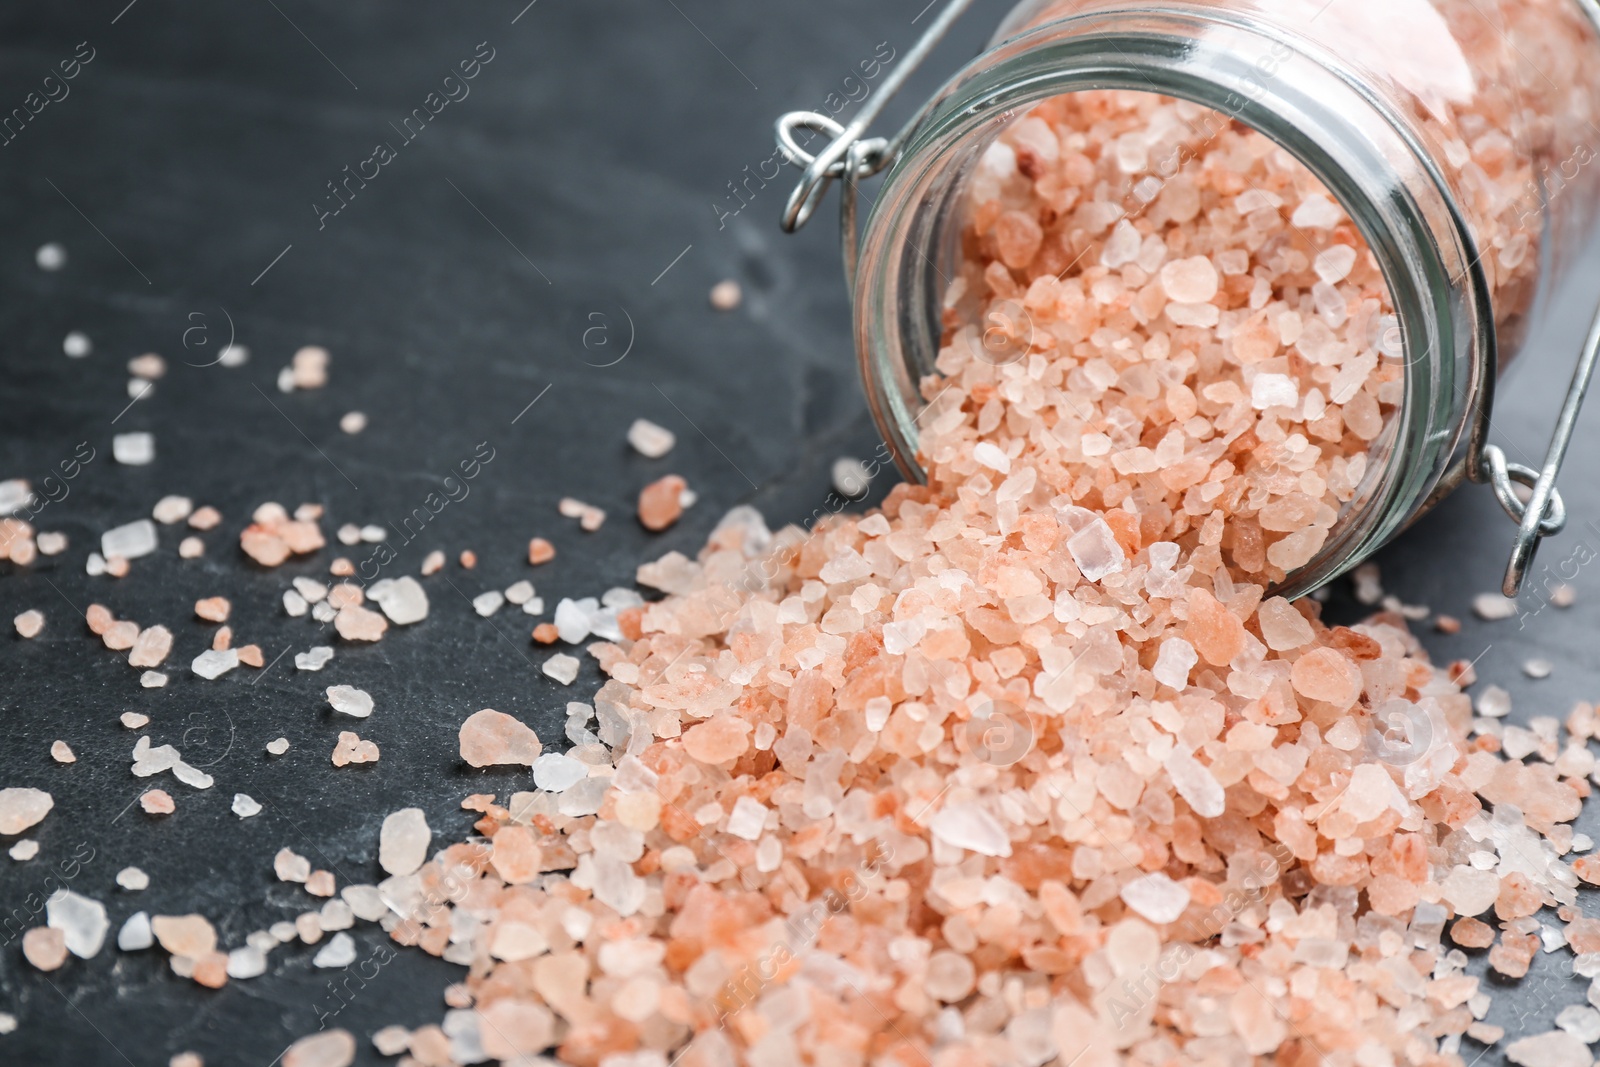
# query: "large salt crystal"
(1273, 391)
(992, 456)
(1581, 1021)
(130, 541)
(403, 841)
(1555, 1048)
(15, 494)
(556, 772)
(1195, 784)
(348, 700)
(1470, 891)
(22, 807)
(969, 826)
(1176, 658)
(402, 599)
(1095, 550)
(574, 619)
(489, 738)
(1156, 897)
(213, 663)
(316, 659)
(81, 919)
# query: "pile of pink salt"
(1026, 766)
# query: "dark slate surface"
(573, 207)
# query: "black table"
(547, 237)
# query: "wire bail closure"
(850, 157)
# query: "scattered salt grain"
(29, 623)
(234, 356)
(651, 440)
(329, 1048)
(403, 600)
(212, 663)
(278, 746)
(133, 449)
(76, 344)
(1493, 606)
(22, 807)
(61, 752)
(850, 477)
(172, 509)
(490, 738)
(726, 295)
(1555, 1048)
(432, 563)
(349, 700)
(245, 806)
(130, 541)
(314, 660)
(562, 667)
(135, 935)
(50, 257)
(24, 850)
(51, 543)
(246, 962)
(191, 548)
(519, 593)
(81, 920)
(1493, 702)
(353, 422)
(45, 948)
(133, 879)
(486, 604)
(351, 748)
(134, 720)
(403, 842)
(340, 951)
(1537, 668)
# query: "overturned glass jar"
(1458, 137)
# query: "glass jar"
(1460, 137)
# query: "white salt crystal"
(968, 826)
(214, 664)
(133, 879)
(1122, 247)
(245, 806)
(336, 915)
(1317, 212)
(96, 565)
(520, 592)
(246, 961)
(1156, 897)
(1555, 1048)
(312, 590)
(192, 776)
(373, 534)
(133, 449)
(1095, 550)
(323, 611)
(1273, 390)
(76, 344)
(294, 605)
(365, 901)
(8, 1023)
(348, 700)
(403, 600)
(172, 509)
(135, 934)
(562, 667)
(747, 818)
(584, 798)
(1334, 264)
(533, 606)
(1493, 606)
(1174, 662)
(340, 951)
(353, 422)
(1493, 702)
(286, 380)
(1537, 668)
(850, 477)
(314, 660)
(487, 604)
(574, 618)
(1370, 793)
(1195, 783)
(51, 256)
(24, 850)
(555, 772)
(81, 919)
(278, 746)
(992, 456)
(14, 493)
(129, 541)
(1470, 891)
(403, 842)
(650, 440)
(234, 356)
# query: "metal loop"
(823, 168)
(1501, 474)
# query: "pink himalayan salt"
(22, 807)
(330, 1048)
(1327, 675)
(62, 752)
(191, 936)
(1190, 281)
(352, 749)
(213, 609)
(45, 947)
(517, 856)
(120, 636)
(489, 738)
(157, 802)
(661, 502)
(356, 623)
(150, 648)
(29, 623)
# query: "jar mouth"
(1349, 138)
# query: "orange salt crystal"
(469, 558)
(99, 618)
(540, 551)
(718, 739)
(546, 633)
(1326, 675)
(213, 609)
(1214, 631)
(222, 639)
(45, 947)
(516, 857)
(250, 656)
(660, 503)
(211, 970)
(1471, 933)
(356, 623)
(157, 802)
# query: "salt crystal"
(1095, 550)
(317, 658)
(96, 565)
(1493, 606)
(130, 541)
(50, 257)
(353, 422)
(246, 961)
(487, 604)
(1273, 390)
(747, 819)
(133, 449)
(24, 850)
(1555, 1048)
(29, 623)
(1317, 212)
(340, 951)
(562, 667)
(348, 700)
(278, 746)
(556, 773)
(234, 355)
(1156, 897)
(490, 738)
(22, 807)
(403, 843)
(1493, 702)
(519, 593)
(294, 605)
(135, 935)
(1195, 783)
(172, 509)
(134, 720)
(1173, 664)
(76, 344)
(374, 534)
(329, 1048)
(51, 543)
(970, 827)
(404, 601)
(1537, 668)
(245, 806)
(133, 879)
(650, 440)
(1470, 891)
(1190, 281)
(289, 866)
(214, 664)
(1334, 264)
(82, 920)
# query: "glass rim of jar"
(1310, 105)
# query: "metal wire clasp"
(849, 156)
